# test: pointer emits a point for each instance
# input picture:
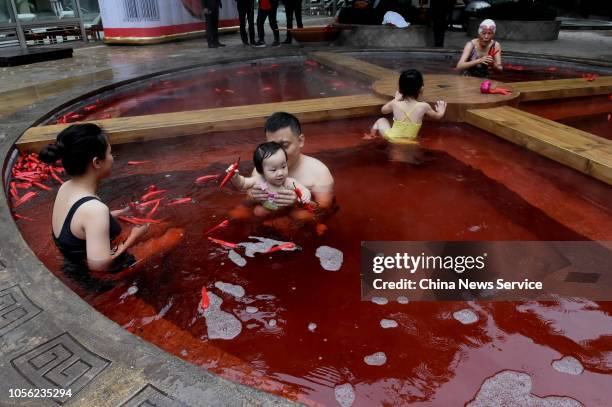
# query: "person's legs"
(249, 15)
(273, 23)
(298, 13)
(216, 24)
(210, 36)
(289, 16)
(242, 14)
(261, 19)
(380, 126)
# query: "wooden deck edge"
(563, 88)
(121, 132)
(362, 68)
(580, 161)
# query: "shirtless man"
(285, 129)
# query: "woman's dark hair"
(264, 151)
(280, 120)
(410, 83)
(77, 146)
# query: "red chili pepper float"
(41, 186)
(179, 201)
(18, 216)
(223, 224)
(223, 243)
(25, 198)
(138, 162)
(205, 300)
(206, 178)
(152, 194)
(137, 221)
(230, 173)
(282, 246)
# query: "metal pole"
(335, 7)
(81, 23)
(18, 28)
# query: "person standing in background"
(211, 14)
(293, 7)
(267, 9)
(439, 10)
(246, 13)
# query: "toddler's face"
(275, 169)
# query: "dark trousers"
(261, 19)
(212, 24)
(246, 13)
(439, 11)
(293, 7)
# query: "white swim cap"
(488, 23)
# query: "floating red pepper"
(137, 221)
(18, 216)
(230, 173)
(223, 224)
(223, 243)
(151, 194)
(25, 198)
(205, 300)
(266, 88)
(229, 91)
(179, 201)
(154, 208)
(205, 178)
(41, 186)
(310, 62)
(589, 77)
(282, 246)
(138, 162)
(55, 176)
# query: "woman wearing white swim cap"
(481, 54)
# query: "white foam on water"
(402, 300)
(236, 258)
(388, 323)
(251, 326)
(130, 291)
(184, 352)
(569, 365)
(345, 394)
(312, 326)
(251, 310)
(379, 300)
(474, 228)
(510, 388)
(235, 290)
(376, 359)
(465, 316)
(262, 245)
(331, 259)
(220, 324)
(272, 323)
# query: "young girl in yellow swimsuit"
(408, 116)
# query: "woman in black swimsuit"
(482, 54)
(83, 227)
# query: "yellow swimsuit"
(403, 131)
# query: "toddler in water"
(270, 161)
(408, 116)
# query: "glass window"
(45, 10)
(5, 12)
(90, 10)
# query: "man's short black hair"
(263, 151)
(280, 120)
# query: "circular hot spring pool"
(280, 321)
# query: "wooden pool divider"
(582, 151)
(167, 125)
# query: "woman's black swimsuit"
(75, 249)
